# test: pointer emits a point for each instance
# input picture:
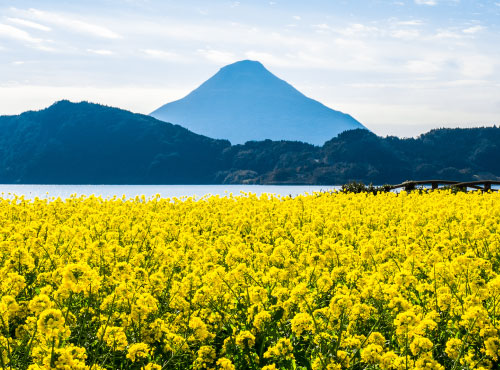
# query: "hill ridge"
(87, 143)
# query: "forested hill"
(84, 143)
(359, 155)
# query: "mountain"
(84, 143)
(244, 101)
(359, 155)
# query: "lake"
(165, 191)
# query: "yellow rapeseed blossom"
(372, 354)
(51, 323)
(225, 364)
(114, 337)
(138, 351)
(323, 281)
(282, 350)
(420, 345)
(302, 323)
(245, 339)
(261, 320)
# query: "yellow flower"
(152, 366)
(427, 363)
(225, 364)
(80, 277)
(51, 323)
(492, 346)
(206, 357)
(67, 358)
(114, 337)
(261, 320)
(8, 307)
(282, 350)
(200, 331)
(453, 347)
(376, 338)
(388, 361)
(371, 354)
(245, 339)
(405, 322)
(420, 344)
(138, 351)
(39, 303)
(213, 283)
(269, 367)
(302, 322)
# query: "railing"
(484, 185)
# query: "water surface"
(165, 191)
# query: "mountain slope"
(359, 155)
(244, 101)
(81, 143)
(85, 143)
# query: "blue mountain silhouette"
(244, 102)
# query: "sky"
(399, 67)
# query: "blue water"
(165, 191)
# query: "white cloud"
(447, 34)
(30, 24)
(467, 83)
(423, 66)
(357, 29)
(426, 2)
(322, 28)
(72, 23)
(354, 52)
(476, 66)
(473, 29)
(100, 51)
(45, 48)
(17, 34)
(217, 56)
(423, 61)
(202, 11)
(270, 59)
(164, 55)
(411, 23)
(405, 34)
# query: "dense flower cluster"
(324, 281)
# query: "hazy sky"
(399, 67)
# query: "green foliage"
(359, 187)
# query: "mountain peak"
(246, 75)
(245, 65)
(244, 101)
(60, 103)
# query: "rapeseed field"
(325, 281)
